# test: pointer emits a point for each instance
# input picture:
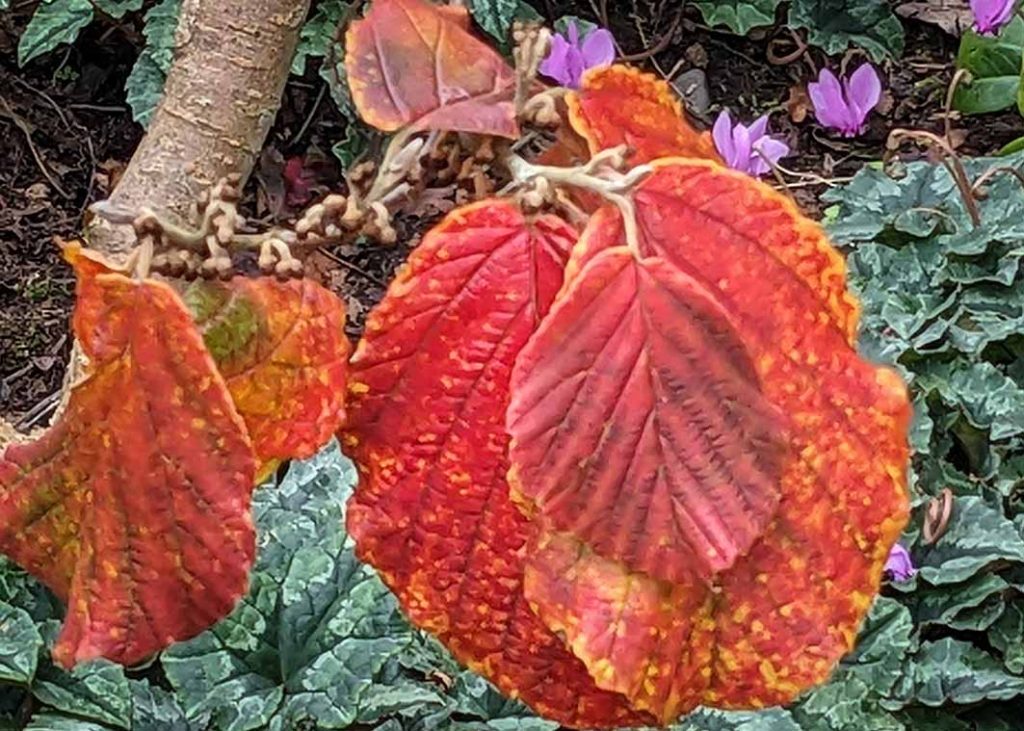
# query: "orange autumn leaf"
(777, 620)
(415, 65)
(134, 507)
(428, 392)
(622, 105)
(639, 424)
(281, 348)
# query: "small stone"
(692, 86)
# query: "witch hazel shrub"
(616, 448)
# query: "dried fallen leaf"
(953, 16)
(798, 103)
(412, 64)
(134, 507)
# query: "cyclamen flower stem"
(950, 160)
(776, 170)
(947, 116)
(976, 188)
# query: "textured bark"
(222, 93)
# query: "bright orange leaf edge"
(621, 104)
(432, 512)
(141, 568)
(776, 621)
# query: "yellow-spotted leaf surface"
(622, 105)
(134, 507)
(432, 513)
(777, 620)
(281, 348)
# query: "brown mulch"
(66, 132)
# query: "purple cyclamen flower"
(748, 149)
(845, 106)
(569, 57)
(991, 15)
(899, 565)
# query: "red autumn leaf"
(428, 392)
(622, 105)
(281, 348)
(636, 399)
(412, 64)
(134, 507)
(778, 620)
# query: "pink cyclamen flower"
(569, 57)
(991, 15)
(898, 565)
(845, 106)
(748, 149)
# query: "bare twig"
(600, 175)
(312, 113)
(353, 267)
(661, 44)
(976, 188)
(21, 124)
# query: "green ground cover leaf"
(739, 16)
(834, 25)
(145, 84)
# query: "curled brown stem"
(784, 60)
(976, 188)
(947, 115)
(949, 159)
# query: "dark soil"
(66, 133)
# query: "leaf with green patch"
(1013, 147)
(357, 135)
(847, 703)
(707, 719)
(145, 84)
(55, 22)
(117, 8)
(155, 709)
(497, 16)
(49, 721)
(19, 589)
(739, 16)
(583, 26)
(474, 696)
(970, 605)
(20, 643)
(1006, 636)
(882, 644)
(834, 25)
(981, 392)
